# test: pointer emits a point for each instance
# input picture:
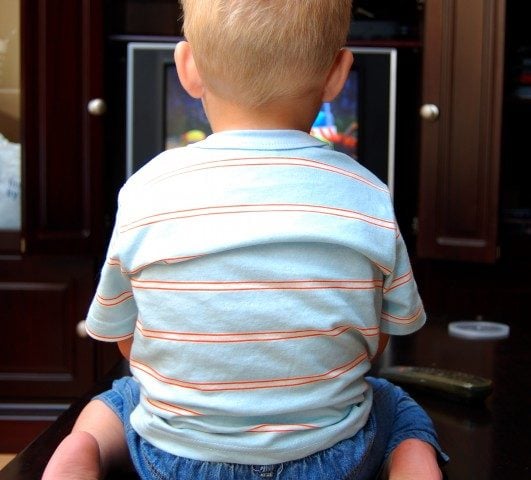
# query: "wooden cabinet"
(48, 270)
(463, 69)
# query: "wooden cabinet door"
(62, 59)
(41, 356)
(460, 136)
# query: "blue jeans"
(395, 416)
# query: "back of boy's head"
(252, 52)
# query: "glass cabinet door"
(10, 122)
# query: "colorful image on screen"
(336, 122)
(186, 121)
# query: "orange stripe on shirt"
(113, 301)
(403, 320)
(249, 384)
(399, 281)
(385, 270)
(258, 208)
(267, 162)
(281, 428)
(240, 337)
(169, 407)
(108, 338)
(251, 336)
(114, 262)
(368, 331)
(258, 285)
(161, 261)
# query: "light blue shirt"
(255, 270)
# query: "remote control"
(449, 383)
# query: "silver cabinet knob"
(429, 112)
(81, 330)
(97, 107)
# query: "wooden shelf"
(386, 43)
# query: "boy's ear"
(337, 76)
(187, 70)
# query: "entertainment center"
(459, 173)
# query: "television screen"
(359, 122)
(185, 119)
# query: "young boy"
(252, 278)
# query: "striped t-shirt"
(255, 270)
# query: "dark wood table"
(486, 441)
(491, 440)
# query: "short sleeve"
(402, 308)
(113, 312)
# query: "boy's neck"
(290, 114)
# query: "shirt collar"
(260, 140)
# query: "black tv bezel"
(145, 105)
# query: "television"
(359, 122)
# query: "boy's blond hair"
(252, 52)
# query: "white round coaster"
(478, 330)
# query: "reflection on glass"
(10, 115)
